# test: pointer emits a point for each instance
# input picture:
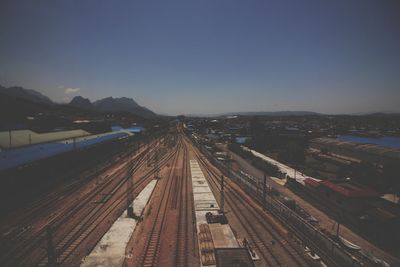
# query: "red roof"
(311, 182)
(349, 189)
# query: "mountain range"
(112, 105)
(35, 100)
(258, 113)
(27, 94)
(20, 102)
(273, 113)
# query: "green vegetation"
(384, 179)
(260, 164)
(266, 167)
(290, 148)
(240, 151)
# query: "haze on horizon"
(208, 57)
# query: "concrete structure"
(223, 236)
(204, 200)
(210, 236)
(110, 251)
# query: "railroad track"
(69, 244)
(302, 237)
(84, 214)
(266, 252)
(69, 239)
(283, 248)
(184, 217)
(49, 201)
(262, 235)
(153, 242)
(152, 245)
(25, 246)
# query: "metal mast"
(264, 191)
(129, 191)
(9, 134)
(156, 168)
(222, 194)
(51, 252)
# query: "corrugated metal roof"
(348, 189)
(364, 148)
(27, 137)
(24, 155)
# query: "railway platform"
(110, 250)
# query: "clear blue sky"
(208, 56)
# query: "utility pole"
(264, 191)
(156, 169)
(129, 191)
(51, 253)
(222, 194)
(30, 139)
(229, 165)
(74, 143)
(338, 223)
(9, 133)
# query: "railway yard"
(196, 215)
(200, 134)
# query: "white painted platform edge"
(110, 250)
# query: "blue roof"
(24, 155)
(135, 129)
(241, 140)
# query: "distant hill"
(122, 104)
(259, 113)
(112, 105)
(27, 94)
(82, 103)
(26, 102)
(275, 113)
(14, 112)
